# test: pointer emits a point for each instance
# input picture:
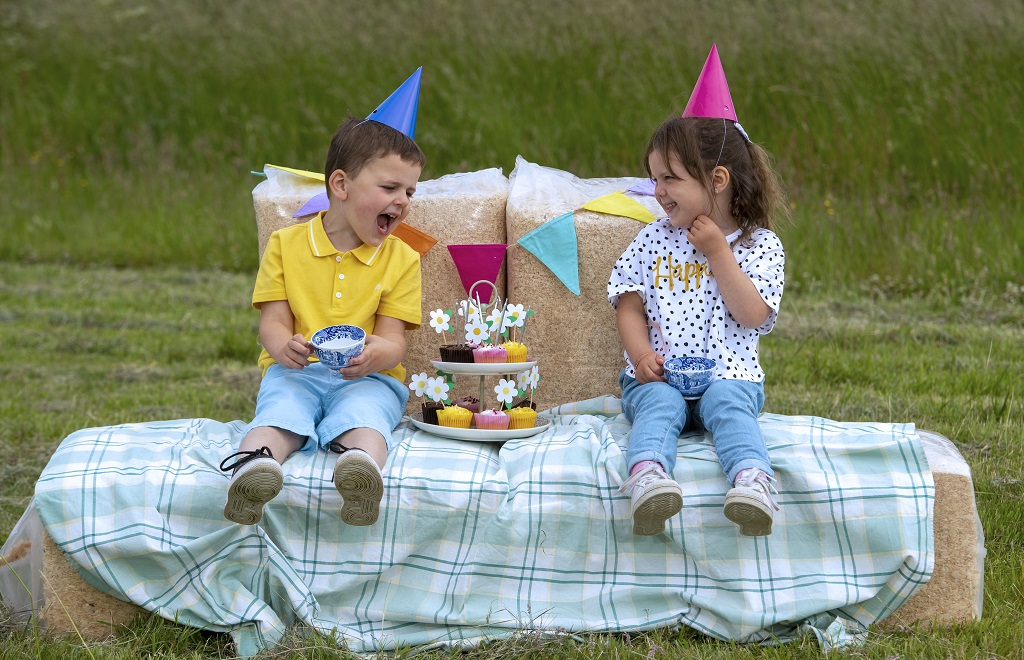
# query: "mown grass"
(128, 244)
(99, 346)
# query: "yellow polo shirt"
(326, 287)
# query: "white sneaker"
(751, 504)
(655, 499)
(256, 478)
(359, 481)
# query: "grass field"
(128, 131)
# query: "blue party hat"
(399, 110)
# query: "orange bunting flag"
(416, 239)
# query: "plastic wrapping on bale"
(579, 330)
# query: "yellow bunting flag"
(617, 203)
(306, 174)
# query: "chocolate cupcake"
(457, 353)
(470, 403)
(430, 409)
(523, 402)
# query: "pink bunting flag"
(478, 262)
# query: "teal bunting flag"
(554, 243)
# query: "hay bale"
(574, 338)
(71, 606)
(464, 208)
(954, 593)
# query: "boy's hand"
(295, 353)
(707, 237)
(650, 370)
(370, 361)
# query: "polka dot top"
(681, 296)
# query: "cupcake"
(457, 353)
(470, 403)
(491, 420)
(455, 417)
(430, 409)
(516, 351)
(523, 402)
(522, 418)
(490, 354)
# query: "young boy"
(341, 267)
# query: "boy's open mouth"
(386, 222)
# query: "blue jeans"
(728, 409)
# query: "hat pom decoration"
(399, 110)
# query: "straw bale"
(71, 604)
(574, 338)
(462, 208)
(954, 593)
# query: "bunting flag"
(479, 262)
(305, 174)
(414, 238)
(316, 204)
(617, 203)
(554, 243)
(645, 187)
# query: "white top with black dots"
(681, 296)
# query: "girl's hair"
(358, 141)
(758, 199)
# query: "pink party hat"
(710, 96)
(399, 110)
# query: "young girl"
(705, 281)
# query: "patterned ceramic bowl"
(335, 345)
(690, 375)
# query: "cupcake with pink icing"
(491, 420)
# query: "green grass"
(128, 244)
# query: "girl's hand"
(649, 369)
(295, 353)
(707, 237)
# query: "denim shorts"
(319, 404)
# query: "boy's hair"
(359, 141)
(758, 199)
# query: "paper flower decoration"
(495, 320)
(528, 379)
(515, 317)
(439, 321)
(437, 388)
(506, 391)
(477, 332)
(418, 383)
(470, 311)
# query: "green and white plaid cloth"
(480, 540)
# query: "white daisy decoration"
(439, 321)
(506, 391)
(437, 388)
(418, 383)
(477, 332)
(495, 320)
(532, 377)
(470, 311)
(515, 317)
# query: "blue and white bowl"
(335, 345)
(690, 375)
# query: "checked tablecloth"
(479, 540)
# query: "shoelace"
(339, 448)
(245, 457)
(643, 477)
(754, 478)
